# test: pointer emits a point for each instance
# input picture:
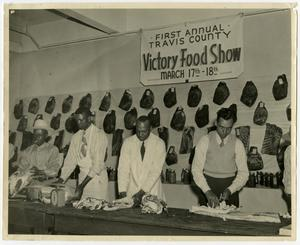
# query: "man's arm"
(124, 168)
(24, 162)
(99, 147)
(70, 161)
(197, 171)
(198, 164)
(242, 168)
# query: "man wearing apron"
(220, 163)
(140, 164)
(87, 150)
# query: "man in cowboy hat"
(41, 158)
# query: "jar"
(185, 176)
(252, 180)
(112, 175)
(258, 177)
(168, 175)
(275, 183)
(262, 178)
(267, 180)
(172, 177)
(271, 176)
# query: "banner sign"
(202, 51)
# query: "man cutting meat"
(87, 150)
(140, 164)
(220, 164)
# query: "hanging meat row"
(248, 97)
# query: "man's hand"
(122, 194)
(38, 174)
(137, 198)
(36, 171)
(212, 199)
(78, 193)
(59, 181)
(225, 195)
(33, 170)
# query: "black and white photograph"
(140, 120)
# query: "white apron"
(97, 186)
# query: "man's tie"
(143, 151)
(222, 143)
(83, 148)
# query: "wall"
(113, 64)
(162, 17)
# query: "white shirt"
(240, 160)
(44, 157)
(134, 173)
(93, 164)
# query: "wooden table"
(29, 218)
(45, 219)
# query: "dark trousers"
(218, 185)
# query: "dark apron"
(218, 185)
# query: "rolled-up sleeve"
(70, 162)
(98, 157)
(124, 167)
(158, 162)
(242, 168)
(198, 163)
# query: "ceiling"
(35, 29)
(33, 17)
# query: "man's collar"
(219, 138)
(145, 141)
(45, 144)
(88, 130)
